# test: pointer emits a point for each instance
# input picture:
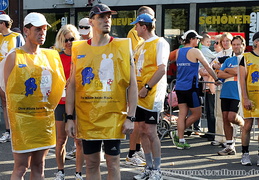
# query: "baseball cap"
(191, 34)
(5, 17)
(255, 36)
(36, 19)
(143, 18)
(99, 9)
(84, 27)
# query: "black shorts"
(111, 147)
(190, 97)
(229, 105)
(148, 116)
(60, 113)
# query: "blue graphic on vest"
(22, 65)
(255, 76)
(30, 86)
(87, 75)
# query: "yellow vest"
(135, 39)
(146, 65)
(7, 43)
(252, 66)
(33, 91)
(102, 76)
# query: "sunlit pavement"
(199, 162)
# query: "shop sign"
(122, 21)
(236, 19)
(254, 26)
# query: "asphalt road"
(199, 162)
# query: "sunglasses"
(217, 43)
(84, 27)
(70, 39)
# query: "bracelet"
(69, 117)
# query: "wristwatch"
(131, 118)
(70, 117)
(147, 87)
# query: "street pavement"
(200, 162)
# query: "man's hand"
(248, 104)
(218, 82)
(70, 128)
(128, 127)
(143, 92)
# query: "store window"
(238, 19)
(175, 23)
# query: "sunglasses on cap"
(84, 27)
(70, 39)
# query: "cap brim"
(199, 37)
(38, 24)
(135, 22)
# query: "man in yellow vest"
(249, 76)
(136, 156)
(34, 81)
(151, 64)
(8, 41)
(103, 91)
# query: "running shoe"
(246, 161)
(5, 138)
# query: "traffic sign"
(4, 4)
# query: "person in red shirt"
(66, 35)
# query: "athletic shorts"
(190, 97)
(229, 105)
(111, 147)
(60, 113)
(147, 116)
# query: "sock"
(181, 140)
(79, 173)
(157, 163)
(149, 161)
(7, 130)
(131, 152)
(62, 170)
(245, 149)
(137, 147)
(230, 143)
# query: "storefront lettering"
(122, 21)
(237, 19)
(254, 26)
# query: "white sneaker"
(156, 175)
(144, 175)
(245, 161)
(135, 160)
(78, 177)
(5, 138)
(141, 155)
(71, 154)
(60, 176)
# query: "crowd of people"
(97, 89)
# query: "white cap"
(190, 34)
(36, 19)
(5, 17)
(84, 23)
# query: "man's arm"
(132, 94)
(206, 65)
(231, 71)
(70, 102)
(224, 75)
(243, 75)
(9, 65)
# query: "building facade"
(173, 16)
